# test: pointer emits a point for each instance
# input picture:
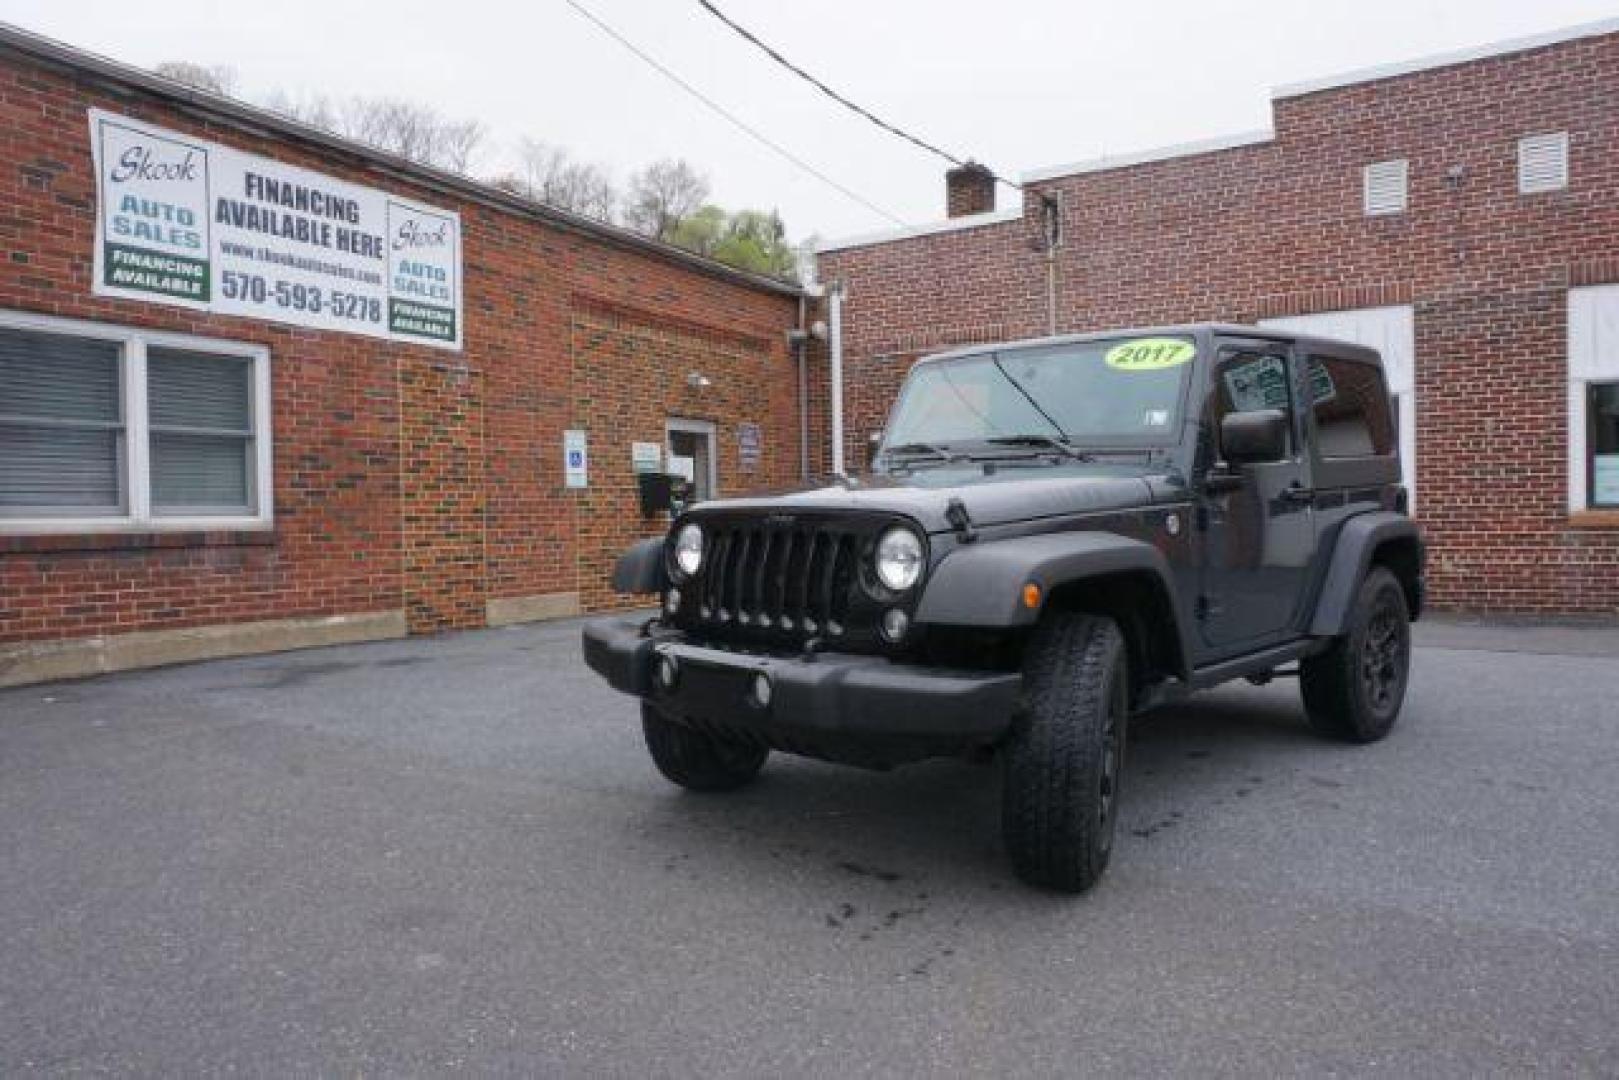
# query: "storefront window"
(1602, 411)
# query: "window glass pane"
(61, 425)
(192, 390)
(199, 472)
(1252, 382)
(1353, 417)
(58, 469)
(1604, 438)
(201, 420)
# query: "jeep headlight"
(899, 558)
(688, 549)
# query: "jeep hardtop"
(1054, 536)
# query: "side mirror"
(1254, 438)
(874, 443)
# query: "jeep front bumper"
(861, 709)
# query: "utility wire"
(728, 115)
(861, 110)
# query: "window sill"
(1594, 519)
(135, 539)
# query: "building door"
(1392, 332)
(693, 440)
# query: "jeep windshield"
(1121, 392)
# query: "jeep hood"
(1006, 495)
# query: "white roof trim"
(1446, 59)
(1143, 157)
(955, 224)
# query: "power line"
(735, 120)
(839, 98)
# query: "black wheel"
(1060, 801)
(696, 760)
(1354, 690)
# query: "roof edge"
(258, 121)
(1106, 163)
(932, 228)
(1507, 47)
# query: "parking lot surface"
(422, 855)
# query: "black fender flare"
(1358, 538)
(982, 584)
(641, 568)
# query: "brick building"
(1459, 213)
(178, 482)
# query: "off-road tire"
(1059, 803)
(1354, 690)
(696, 760)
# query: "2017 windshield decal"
(1149, 354)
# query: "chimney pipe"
(969, 189)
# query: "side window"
(1352, 410)
(1249, 381)
(1602, 404)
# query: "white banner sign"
(188, 222)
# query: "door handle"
(1297, 493)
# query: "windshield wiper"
(1062, 446)
(912, 449)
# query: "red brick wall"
(405, 477)
(1277, 229)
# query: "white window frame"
(699, 427)
(1593, 357)
(137, 479)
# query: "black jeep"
(1055, 535)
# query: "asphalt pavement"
(427, 855)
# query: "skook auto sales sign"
(188, 222)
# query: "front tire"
(696, 760)
(1354, 690)
(1060, 800)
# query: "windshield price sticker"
(1149, 354)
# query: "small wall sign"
(575, 458)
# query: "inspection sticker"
(1149, 354)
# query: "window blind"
(201, 424)
(61, 424)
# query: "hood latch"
(956, 514)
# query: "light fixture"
(698, 381)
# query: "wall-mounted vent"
(1384, 186)
(1543, 163)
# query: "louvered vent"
(1385, 183)
(1543, 163)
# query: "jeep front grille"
(779, 578)
(765, 580)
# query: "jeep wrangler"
(1054, 537)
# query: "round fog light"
(666, 671)
(895, 623)
(761, 690)
(671, 601)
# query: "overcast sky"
(1017, 85)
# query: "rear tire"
(1060, 800)
(1354, 690)
(696, 760)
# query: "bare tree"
(315, 110)
(662, 195)
(216, 79)
(549, 174)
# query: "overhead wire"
(855, 107)
(727, 114)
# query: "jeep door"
(1258, 535)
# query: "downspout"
(836, 346)
(1051, 223)
(799, 339)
